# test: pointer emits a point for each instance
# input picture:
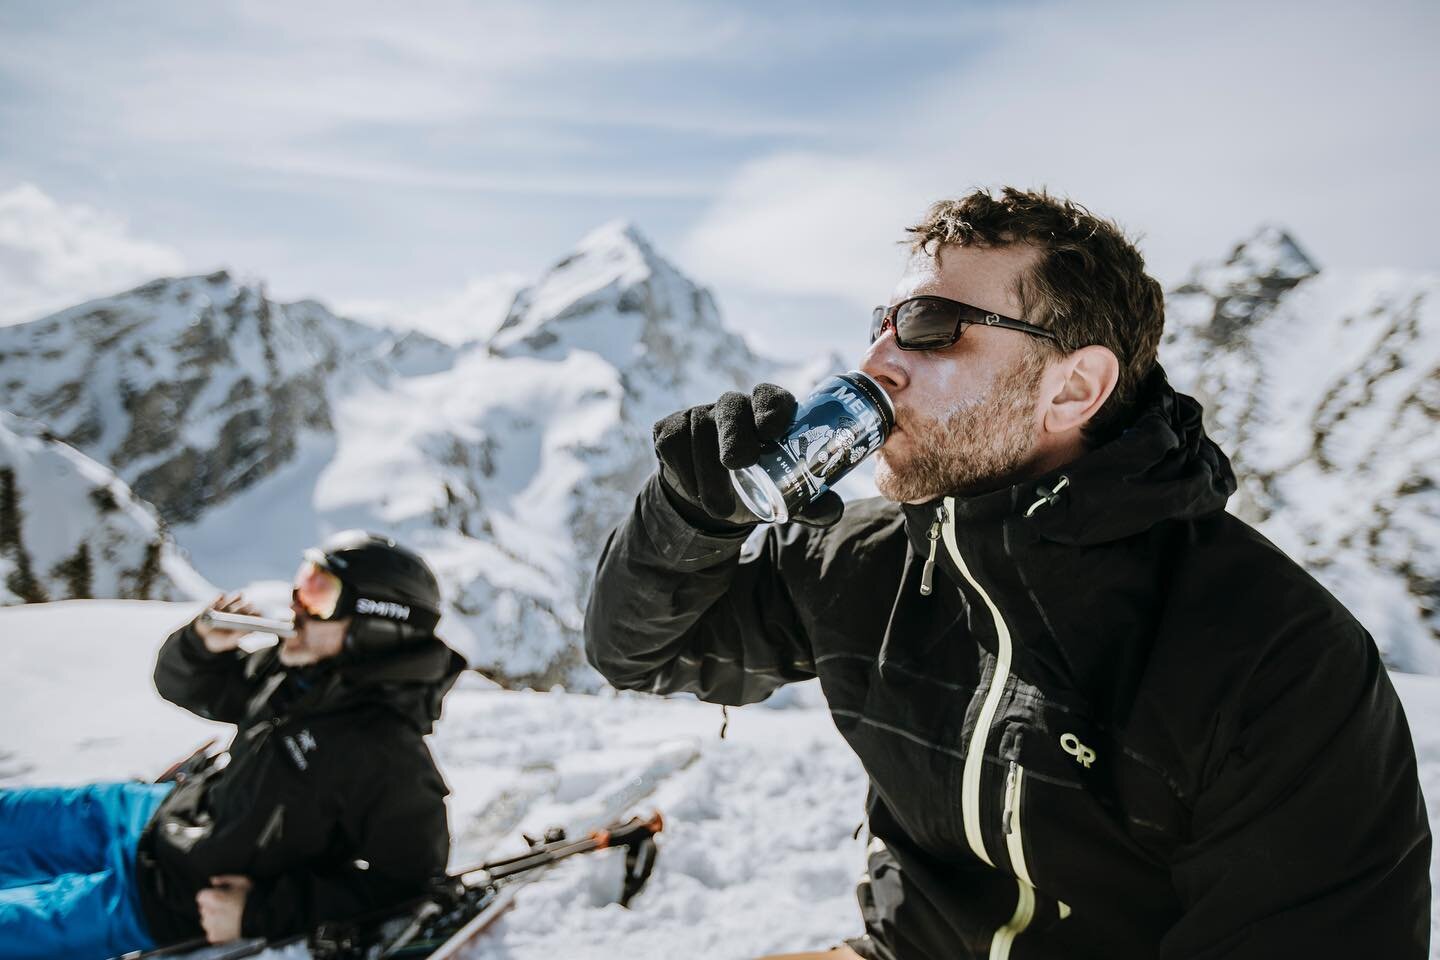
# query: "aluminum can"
(842, 422)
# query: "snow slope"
(1324, 389)
(757, 852)
(197, 388)
(257, 428)
(70, 528)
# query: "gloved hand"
(699, 447)
(221, 639)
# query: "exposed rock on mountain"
(1324, 388)
(259, 428)
(69, 529)
(512, 467)
(197, 388)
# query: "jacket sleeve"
(211, 685)
(1311, 839)
(393, 847)
(676, 609)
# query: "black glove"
(699, 447)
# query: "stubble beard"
(970, 449)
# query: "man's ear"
(1086, 378)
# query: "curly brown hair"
(1089, 285)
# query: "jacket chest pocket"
(1077, 804)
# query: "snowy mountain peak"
(195, 387)
(1266, 263)
(610, 258)
(614, 296)
(1271, 253)
(618, 235)
(1322, 388)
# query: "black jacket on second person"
(330, 802)
(1123, 724)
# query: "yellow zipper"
(927, 575)
(1014, 843)
(975, 755)
(1004, 938)
(1024, 914)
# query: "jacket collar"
(411, 681)
(1161, 467)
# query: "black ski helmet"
(389, 590)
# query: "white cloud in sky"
(473, 313)
(54, 255)
(1189, 124)
(270, 73)
(786, 223)
(310, 137)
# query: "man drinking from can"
(1100, 716)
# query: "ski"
(506, 886)
(503, 814)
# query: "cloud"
(328, 166)
(240, 77)
(474, 313)
(786, 222)
(54, 255)
(1189, 125)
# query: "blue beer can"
(847, 418)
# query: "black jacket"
(330, 802)
(1123, 724)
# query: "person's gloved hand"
(699, 447)
(221, 639)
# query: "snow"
(757, 855)
(64, 498)
(472, 314)
(503, 461)
(1321, 387)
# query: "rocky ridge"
(71, 530)
(196, 388)
(1324, 389)
(258, 428)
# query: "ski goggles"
(317, 590)
(932, 323)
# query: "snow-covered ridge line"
(258, 428)
(195, 388)
(1324, 388)
(70, 529)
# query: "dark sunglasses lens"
(877, 323)
(925, 325)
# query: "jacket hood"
(1161, 467)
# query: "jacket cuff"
(253, 918)
(677, 538)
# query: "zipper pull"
(1010, 780)
(927, 575)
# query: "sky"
(424, 158)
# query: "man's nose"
(884, 363)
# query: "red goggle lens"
(317, 590)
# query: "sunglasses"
(316, 589)
(932, 323)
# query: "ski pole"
(183, 768)
(622, 835)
